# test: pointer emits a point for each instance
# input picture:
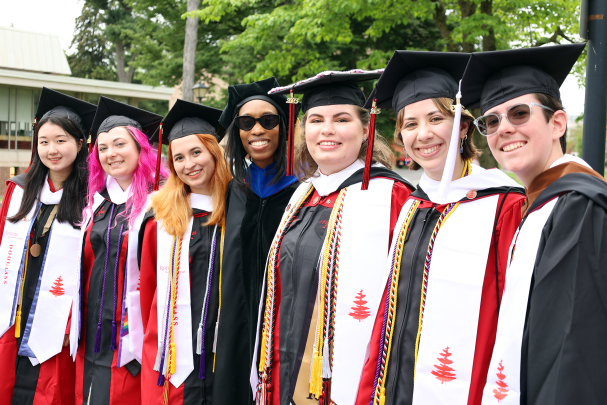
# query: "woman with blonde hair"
(180, 256)
(315, 325)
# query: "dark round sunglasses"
(246, 122)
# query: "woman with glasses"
(325, 270)
(435, 329)
(257, 131)
(553, 320)
(180, 257)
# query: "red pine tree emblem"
(501, 392)
(359, 311)
(443, 372)
(57, 289)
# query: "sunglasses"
(516, 115)
(246, 122)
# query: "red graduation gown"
(51, 382)
(399, 375)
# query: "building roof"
(77, 84)
(32, 51)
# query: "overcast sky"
(57, 17)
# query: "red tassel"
(325, 397)
(369, 158)
(34, 143)
(157, 177)
(291, 135)
(90, 144)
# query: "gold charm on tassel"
(292, 100)
(375, 109)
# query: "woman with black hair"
(256, 198)
(41, 256)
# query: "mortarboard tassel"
(453, 147)
(157, 177)
(370, 139)
(89, 143)
(291, 135)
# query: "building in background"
(29, 61)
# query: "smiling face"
(334, 136)
(57, 149)
(118, 154)
(531, 148)
(426, 135)
(260, 143)
(193, 163)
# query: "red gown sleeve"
(507, 224)
(400, 195)
(147, 271)
(10, 186)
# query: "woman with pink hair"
(121, 175)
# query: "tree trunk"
(189, 52)
(131, 71)
(489, 38)
(440, 19)
(123, 77)
(467, 8)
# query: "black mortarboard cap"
(240, 94)
(331, 88)
(187, 118)
(492, 78)
(111, 114)
(54, 103)
(412, 76)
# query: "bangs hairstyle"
(444, 105)
(236, 153)
(143, 177)
(74, 188)
(306, 167)
(171, 203)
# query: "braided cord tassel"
(171, 358)
(218, 310)
(113, 345)
(264, 386)
(379, 385)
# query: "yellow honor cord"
(220, 273)
(18, 315)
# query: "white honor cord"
(206, 293)
(452, 154)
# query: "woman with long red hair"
(181, 246)
(121, 175)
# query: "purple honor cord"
(107, 254)
(202, 370)
(114, 330)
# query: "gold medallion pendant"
(35, 250)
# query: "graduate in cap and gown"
(257, 129)
(553, 321)
(180, 252)
(121, 175)
(325, 268)
(436, 326)
(39, 246)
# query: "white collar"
(47, 196)
(570, 158)
(117, 195)
(325, 185)
(201, 202)
(479, 179)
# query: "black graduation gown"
(193, 390)
(251, 223)
(399, 375)
(96, 373)
(563, 349)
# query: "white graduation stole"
(504, 376)
(450, 320)
(12, 257)
(363, 253)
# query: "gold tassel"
(382, 396)
(165, 394)
(173, 361)
(262, 357)
(18, 323)
(316, 379)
